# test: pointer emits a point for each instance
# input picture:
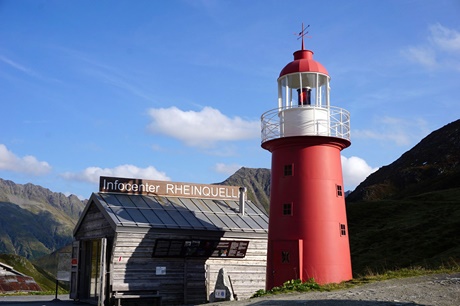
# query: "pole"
(56, 294)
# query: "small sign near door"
(161, 271)
(219, 293)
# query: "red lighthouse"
(308, 232)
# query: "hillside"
(420, 230)
(34, 220)
(408, 213)
(433, 164)
(21, 264)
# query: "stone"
(223, 290)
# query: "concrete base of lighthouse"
(310, 240)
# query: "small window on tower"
(285, 257)
(288, 170)
(343, 231)
(339, 191)
(287, 209)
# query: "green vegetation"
(30, 234)
(295, 285)
(421, 230)
(45, 280)
(49, 262)
(35, 221)
(311, 285)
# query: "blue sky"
(174, 90)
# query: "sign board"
(64, 266)
(160, 271)
(220, 293)
(165, 188)
(200, 248)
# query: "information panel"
(200, 248)
(64, 265)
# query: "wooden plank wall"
(247, 274)
(94, 225)
(133, 268)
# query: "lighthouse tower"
(308, 232)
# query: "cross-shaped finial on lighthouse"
(302, 34)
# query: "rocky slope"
(433, 164)
(34, 220)
(257, 181)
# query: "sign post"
(63, 270)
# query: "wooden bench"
(137, 297)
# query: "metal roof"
(14, 281)
(149, 211)
(303, 62)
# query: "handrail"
(337, 123)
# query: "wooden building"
(153, 240)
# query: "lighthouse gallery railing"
(337, 123)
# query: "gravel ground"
(437, 290)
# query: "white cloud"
(422, 55)
(92, 174)
(444, 38)
(25, 70)
(118, 81)
(401, 131)
(201, 129)
(17, 66)
(228, 169)
(440, 50)
(27, 164)
(355, 170)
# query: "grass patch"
(295, 285)
(420, 230)
(45, 280)
(370, 277)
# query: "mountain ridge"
(30, 194)
(433, 164)
(257, 183)
(35, 221)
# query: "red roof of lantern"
(303, 62)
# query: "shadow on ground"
(327, 303)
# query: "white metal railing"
(336, 125)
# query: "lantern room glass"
(304, 89)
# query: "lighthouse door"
(286, 261)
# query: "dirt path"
(438, 290)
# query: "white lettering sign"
(162, 188)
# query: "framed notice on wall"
(200, 248)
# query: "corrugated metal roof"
(14, 281)
(145, 211)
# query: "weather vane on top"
(303, 33)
